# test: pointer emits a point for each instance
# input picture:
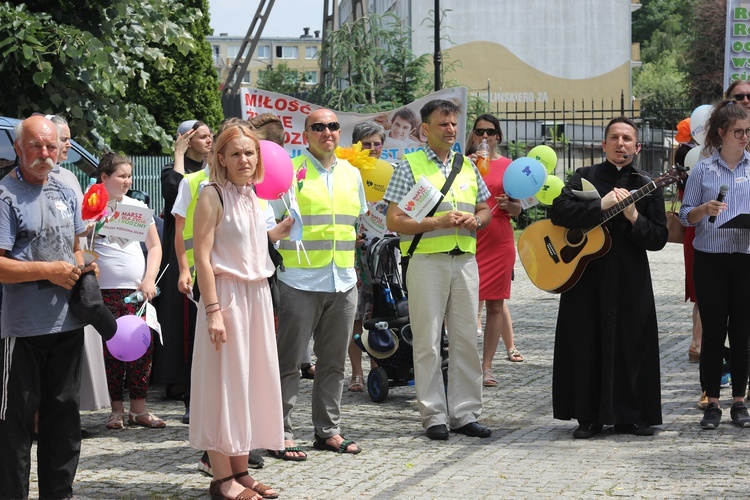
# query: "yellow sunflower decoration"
(357, 156)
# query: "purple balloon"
(278, 171)
(131, 340)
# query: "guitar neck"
(622, 205)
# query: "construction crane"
(230, 93)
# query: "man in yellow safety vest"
(442, 278)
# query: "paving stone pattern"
(529, 454)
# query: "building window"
(232, 52)
(217, 54)
(264, 51)
(246, 78)
(311, 52)
(283, 52)
(311, 77)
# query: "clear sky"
(286, 18)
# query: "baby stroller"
(387, 337)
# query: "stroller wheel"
(377, 384)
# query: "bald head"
(322, 142)
(37, 147)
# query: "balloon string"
(140, 311)
(298, 243)
(161, 275)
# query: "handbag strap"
(458, 160)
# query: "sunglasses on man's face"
(479, 132)
(320, 127)
(740, 97)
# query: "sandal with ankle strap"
(488, 379)
(514, 355)
(357, 384)
(214, 489)
(153, 422)
(258, 487)
(115, 421)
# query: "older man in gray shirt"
(40, 262)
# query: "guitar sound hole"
(574, 237)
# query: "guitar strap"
(458, 160)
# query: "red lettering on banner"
(286, 121)
(294, 138)
(280, 104)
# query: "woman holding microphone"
(721, 268)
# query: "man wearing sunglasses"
(318, 293)
(443, 278)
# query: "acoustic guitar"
(555, 257)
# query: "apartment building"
(298, 53)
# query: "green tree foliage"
(281, 79)
(406, 78)
(80, 60)
(662, 27)
(190, 91)
(706, 53)
(373, 65)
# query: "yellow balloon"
(550, 190)
(375, 180)
(545, 155)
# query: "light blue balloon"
(524, 177)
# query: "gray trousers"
(328, 318)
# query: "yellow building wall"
(475, 64)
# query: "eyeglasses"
(740, 97)
(319, 127)
(370, 145)
(739, 133)
(479, 132)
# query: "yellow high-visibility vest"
(328, 220)
(462, 197)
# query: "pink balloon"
(278, 171)
(131, 340)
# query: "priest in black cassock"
(606, 364)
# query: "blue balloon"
(524, 177)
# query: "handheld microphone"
(723, 190)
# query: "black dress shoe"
(437, 432)
(186, 416)
(587, 430)
(635, 429)
(474, 429)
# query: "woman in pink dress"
(235, 393)
(496, 251)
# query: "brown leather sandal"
(215, 491)
(258, 487)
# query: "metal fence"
(147, 177)
(575, 131)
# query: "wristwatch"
(479, 222)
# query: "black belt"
(455, 251)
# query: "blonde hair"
(218, 171)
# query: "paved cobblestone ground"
(528, 455)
